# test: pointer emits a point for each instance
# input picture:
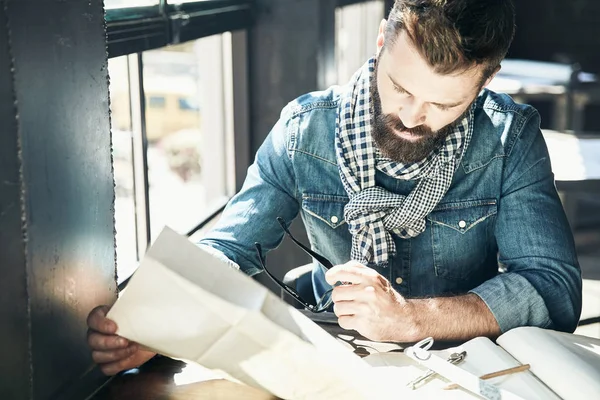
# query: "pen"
(496, 374)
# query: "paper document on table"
(569, 364)
(482, 357)
(185, 303)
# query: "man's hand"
(369, 305)
(111, 352)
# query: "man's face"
(414, 107)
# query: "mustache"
(393, 121)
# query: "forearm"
(450, 318)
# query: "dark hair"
(455, 35)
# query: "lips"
(407, 135)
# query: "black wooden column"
(57, 249)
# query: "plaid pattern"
(373, 213)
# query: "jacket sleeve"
(542, 283)
(269, 191)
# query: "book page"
(185, 303)
(483, 357)
(568, 364)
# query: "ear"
(381, 36)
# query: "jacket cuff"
(514, 302)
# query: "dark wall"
(564, 31)
(57, 246)
(558, 30)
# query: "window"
(184, 171)
(189, 172)
(356, 27)
(172, 92)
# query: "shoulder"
(505, 118)
(309, 103)
(499, 125)
(311, 121)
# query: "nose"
(412, 114)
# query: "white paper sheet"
(186, 303)
(568, 364)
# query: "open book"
(186, 302)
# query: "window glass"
(125, 225)
(186, 118)
(356, 28)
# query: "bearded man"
(431, 197)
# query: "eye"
(400, 90)
(442, 107)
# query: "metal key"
(455, 358)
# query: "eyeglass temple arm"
(325, 262)
(288, 289)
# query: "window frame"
(137, 29)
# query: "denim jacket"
(499, 232)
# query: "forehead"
(403, 63)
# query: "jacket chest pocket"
(462, 239)
(323, 217)
(329, 209)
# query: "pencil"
(496, 374)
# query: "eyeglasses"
(325, 301)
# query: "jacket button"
(334, 219)
(399, 281)
(462, 224)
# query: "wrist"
(414, 328)
(409, 329)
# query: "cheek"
(436, 120)
(390, 101)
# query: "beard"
(399, 149)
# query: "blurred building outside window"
(190, 168)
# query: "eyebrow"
(449, 105)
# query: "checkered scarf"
(373, 212)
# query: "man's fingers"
(114, 367)
(98, 341)
(97, 321)
(103, 357)
(360, 293)
(344, 308)
(350, 308)
(348, 322)
(350, 272)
